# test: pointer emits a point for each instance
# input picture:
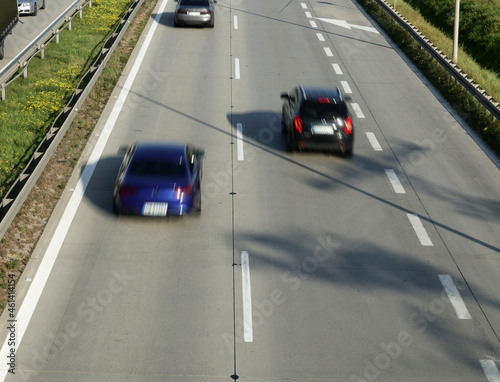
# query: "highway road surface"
(301, 267)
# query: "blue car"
(159, 179)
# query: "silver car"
(195, 12)
(30, 7)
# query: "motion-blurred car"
(195, 12)
(159, 179)
(316, 118)
(30, 7)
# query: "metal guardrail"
(17, 194)
(468, 83)
(19, 65)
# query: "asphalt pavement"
(301, 267)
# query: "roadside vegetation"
(460, 99)
(32, 104)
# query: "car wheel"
(283, 126)
(347, 151)
(197, 207)
(36, 9)
(290, 147)
(43, 5)
(176, 23)
(115, 208)
(212, 23)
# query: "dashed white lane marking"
(328, 51)
(235, 22)
(347, 88)
(320, 37)
(337, 69)
(455, 298)
(422, 235)
(247, 298)
(303, 5)
(373, 141)
(357, 110)
(395, 183)
(313, 23)
(237, 68)
(239, 141)
(490, 369)
(27, 308)
(308, 15)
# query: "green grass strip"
(32, 103)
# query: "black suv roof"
(314, 93)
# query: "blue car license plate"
(155, 209)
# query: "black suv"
(316, 118)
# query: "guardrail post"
(25, 69)
(69, 19)
(4, 92)
(58, 33)
(41, 48)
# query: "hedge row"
(479, 22)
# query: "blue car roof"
(159, 150)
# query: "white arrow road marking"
(345, 24)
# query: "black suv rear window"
(322, 110)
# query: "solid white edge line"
(490, 369)
(247, 298)
(337, 69)
(455, 298)
(237, 68)
(347, 88)
(30, 302)
(239, 141)
(422, 235)
(373, 141)
(235, 22)
(394, 180)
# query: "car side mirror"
(200, 153)
(284, 96)
(347, 98)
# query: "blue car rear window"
(157, 168)
(194, 2)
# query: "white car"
(30, 7)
